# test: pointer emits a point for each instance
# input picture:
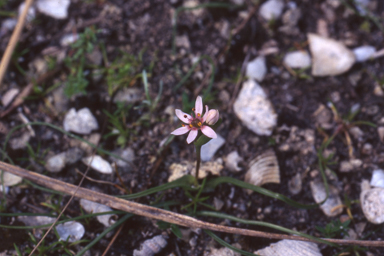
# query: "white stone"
(36, 220)
(128, 95)
(271, 9)
(72, 229)
(377, 179)
(254, 109)
(364, 53)
(232, 161)
(257, 69)
(9, 179)
(9, 96)
(98, 164)
(290, 248)
(56, 163)
(127, 154)
(372, 204)
(297, 59)
(329, 57)
(8, 24)
(69, 39)
(92, 207)
(319, 194)
(208, 150)
(31, 14)
(82, 122)
(57, 9)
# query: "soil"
(144, 26)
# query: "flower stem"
(198, 160)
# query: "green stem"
(198, 160)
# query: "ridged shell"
(151, 246)
(263, 169)
(290, 248)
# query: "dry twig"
(156, 213)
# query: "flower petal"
(208, 131)
(198, 106)
(192, 136)
(205, 114)
(184, 117)
(181, 130)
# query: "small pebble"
(328, 207)
(72, 229)
(92, 207)
(290, 247)
(364, 53)
(82, 121)
(271, 9)
(56, 163)
(232, 161)
(57, 9)
(329, 57)
(98, 164)
(377, 179)
(254, 109)
(297, 59)
(209, 150)
(257, 69)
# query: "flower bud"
(212, 117)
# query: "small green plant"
(118, 122)
(76, 81)
(195, 200)
(123, 72)
(335, 228)
(54, 203)
(58, 247)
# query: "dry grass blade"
(156, 213)
(14, 38)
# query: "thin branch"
(156, 213)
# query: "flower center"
(196, 123)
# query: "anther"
(193, 109)
(198, 114)
(190, 125)
(185, 116)
(183, 125)
(199, 123)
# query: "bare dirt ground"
(131, 36)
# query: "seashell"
(92, 207)
(290, 248)
(328, 207)
(263, 169)
(151, 246)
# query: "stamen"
(190, 125)
(183, 125)
(199, 123)
(198, 114)
(193, 109)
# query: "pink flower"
(194, 124)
